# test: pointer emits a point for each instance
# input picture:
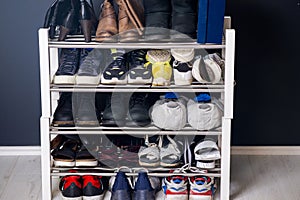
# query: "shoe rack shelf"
(48, 50)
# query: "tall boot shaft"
(107, 25)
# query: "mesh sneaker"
(143, 188)
(138, 110)
(139, 73)
(89, 69)
(68, 67)
(71, 188)
(92, 187)
(175, 188)
(116, 71)
(159, 61)
(201, 188)
(182, 73)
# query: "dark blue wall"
(267, 71)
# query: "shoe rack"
(48, 52)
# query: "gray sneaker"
(90, 68)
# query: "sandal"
(170, 154)
(149, 156)
(64, 155)
(206, 153)
(84, 158)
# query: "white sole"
(206, 165)
(200, 197)
(88, 80)
(169, 165)
(176, 197)
(160, 82)
(59, 163)
(139, 80)
(182, 78)
(143, 164)
(99, 197)
(113, 81)
(89, 163)
(70, 198)
(64, 79)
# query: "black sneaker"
(138, 110)
(63, 115)
(90, 69)
(92, 187)
(71, 187)
(115, 110)
(139, 73)
(68, 67)
(86, 112)
(116, 71)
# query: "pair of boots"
(130, 16)
(163, 15)
(72, 17)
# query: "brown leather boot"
(107, 26)
(127, 30)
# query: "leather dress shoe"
(107, 26)
(70, 24)
(63, 115)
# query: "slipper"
(64, 155)
(84, 158)
(206, 153)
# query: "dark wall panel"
(267, 71)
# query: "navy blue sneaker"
(143, 189)
(68, 66)
(121, 189)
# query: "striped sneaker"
(201, 188)
(175, 188)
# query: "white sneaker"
(175, 188)
(204, 116)
(169, 113)
(182, 73)
(183, 55)
(201, 188)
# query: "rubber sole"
(86, 163)
(63, 163)
(113, 81)
(63, 123)
(182, 78)
(160, 82)
(177, 197)
(200, 197)
(64, 79)
(144, 164)
(139, 80)
(88, 80)
(99, 197)
(87, 123)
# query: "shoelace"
(89, 64)
(68, 62)
(138, 57)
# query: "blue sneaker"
(143, 189)
(121, 189)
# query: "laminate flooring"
(252, 177)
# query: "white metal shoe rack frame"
(48, 50)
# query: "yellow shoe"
(161, 68)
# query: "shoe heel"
(86, 26)
(63, 32)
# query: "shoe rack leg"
(225, 161)
(45, 158)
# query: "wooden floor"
(252, 178)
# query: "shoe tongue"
(143, 182)
(205, 98)
(117, 53)
(121, 182)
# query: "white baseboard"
(235, 150)
(265, 150)
(19, 150)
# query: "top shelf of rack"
(79, 43)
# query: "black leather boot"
(63, 115)
(55, 15)
(86, 113)
(115, 110)
(184, 19)
(70, 23)
(157, 19)
(87, 19)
